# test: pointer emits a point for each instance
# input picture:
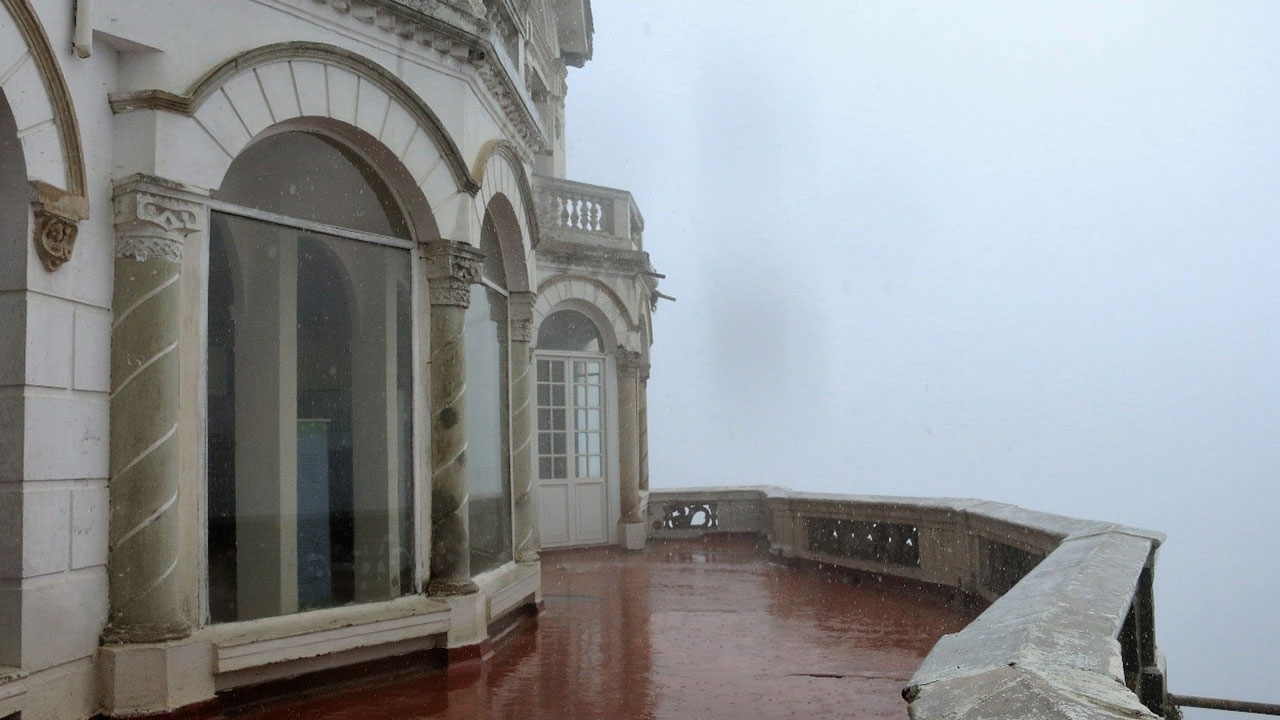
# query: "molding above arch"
(496, 151)
(291, 52)
(593, 292)
(59, 95)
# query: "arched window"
(487, 416)
(309, 383)
(573, 491)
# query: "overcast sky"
(1017, 251)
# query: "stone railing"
(573, 211)
(1070, 629)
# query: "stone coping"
(1048, 647)
(1059, 526)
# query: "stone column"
(520, 309)
(148, 600)
(452, 267)
(644, 428)
(631, 529)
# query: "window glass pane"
(569, 330)
(544, 371)
(593, 443)
(557, 372)
(557, 395)
(558, 443)
(544, 468)
(306, 176)
(557, 419)
(297, 440)
(488, 469)
(544, 395)
(593, 420)
(581, 467)
(560, 468)
(594, 467)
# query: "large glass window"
(309, 385)
(488, 454)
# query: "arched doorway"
(572, 434)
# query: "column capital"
(153, 217)
(452, 267)
(631, 363)
(520, 310)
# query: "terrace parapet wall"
(1070, 629)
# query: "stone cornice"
(595, 257)
(452, 268)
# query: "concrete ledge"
(1070, 631)
(510, 587)
(13, 686)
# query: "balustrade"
(577, 211)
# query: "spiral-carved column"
(148, 602)
(452, 267)
(520, 307)
(644, 427)
(629, 364)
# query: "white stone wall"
(56, 326)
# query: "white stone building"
(305, 339)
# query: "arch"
(500, 172)
(592, 297)
(41, 103)
(304, 82)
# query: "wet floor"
(686, 629)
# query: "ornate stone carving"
(520, 310)
(452, 268)
(631, 363)
(55, 238)
(688, 516)
(150, 225)
(57, 217)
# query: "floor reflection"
(697, 628)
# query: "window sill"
(269, 641)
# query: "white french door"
(573, 491)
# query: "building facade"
(309, 346)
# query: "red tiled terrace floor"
(700, 628)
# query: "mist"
(1024, 252)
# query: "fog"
(1022, 252)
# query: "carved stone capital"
(520, 310)
(452, 268)
(153, 220)
(57, 222)
(631, 363)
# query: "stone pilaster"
(631, 524)
(452, 267)
(148, 602)
(520, 308)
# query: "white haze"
(1019, 251)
